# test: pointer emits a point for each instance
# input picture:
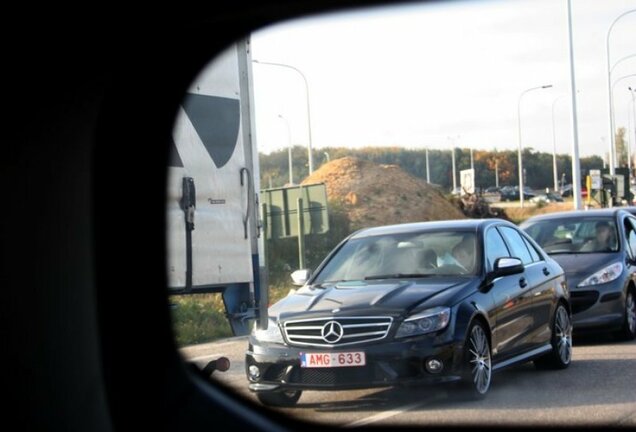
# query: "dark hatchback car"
(415, 303)
(597, 250)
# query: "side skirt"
(522, 358)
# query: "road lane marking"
(391, 413)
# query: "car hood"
(579, 266)
(393, 298)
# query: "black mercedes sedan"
(431, 302)
(597, 250)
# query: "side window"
(517, 244)
(495, 248)
(533, 252)
(630, 233)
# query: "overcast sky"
(413, 76)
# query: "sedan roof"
(457, 224)
(574, 213)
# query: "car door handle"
(546, 271)
(523, 282)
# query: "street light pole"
(453, 159)
(428, 168)
(554, 154)
(309, 147)
(520, 157)
(576, 166)
(633, 92)
(291, 175)
(609, 88)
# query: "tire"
(287, 398)
(561, 355)
(477, 372)
(628, 332)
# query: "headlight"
(607, 274)
(424, 322)
(272, 334)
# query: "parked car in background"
(567, 191)
(597, 250)
(511, 193)
(415, 303)
(547, 197)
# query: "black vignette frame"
(92, 102)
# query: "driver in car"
(603, 240)
(462, 255)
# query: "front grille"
(355, 330)
(582, 300)
(332, 376)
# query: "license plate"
(328, 360)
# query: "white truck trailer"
(213, 230)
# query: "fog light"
(434, 366)
(254, 372)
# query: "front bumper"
(598, 307)
(387, 364)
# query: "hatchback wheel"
(477, 361)
(629, 324)
(287, 398)
(561, 355)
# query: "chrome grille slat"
(360, 325)
(363, 329)
(363, 334)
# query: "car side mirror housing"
(300, 277)
(507, 266)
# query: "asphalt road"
(599, 388)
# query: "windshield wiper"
(399, 276)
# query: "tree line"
(537, 165)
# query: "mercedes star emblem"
(332, 332)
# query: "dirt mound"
(373, 194)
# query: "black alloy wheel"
(477, 361)
(561, 355)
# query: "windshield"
(575, 235)
(403, 255)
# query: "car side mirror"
(300, 277)
(507, 266)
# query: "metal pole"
(309, 147)
(289, 146)
(576, 167)
(428, 169)
(554, 154)
(520, 157)
(454, 173)
(301, 234)
(472, 162)
(609, 85)
(265, 273)
(496, 173)
(633, 93)
(629, 148)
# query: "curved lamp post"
(520, 157)
(610, 102)
(309, 149)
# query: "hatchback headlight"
(607, 274)
(424, 322)
(272, 334)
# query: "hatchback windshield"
(575, 235)
(403, 255)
